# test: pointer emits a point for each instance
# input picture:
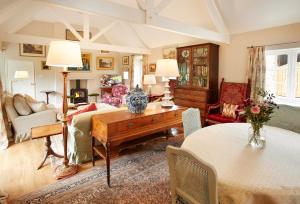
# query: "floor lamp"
(167, 68)
(64, 54)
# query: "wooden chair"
(191, 121)
(192, 180)
(230, 93)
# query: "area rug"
(139, 177)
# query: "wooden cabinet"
(198, 80)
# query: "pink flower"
(255, 109)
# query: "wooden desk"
(115, 128)
(47, 131)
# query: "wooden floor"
(18, 173)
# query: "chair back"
(191, 121)
(192, 180)
(234, 93)
(119, 90)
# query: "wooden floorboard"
(18, 165)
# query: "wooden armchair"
(230, 93)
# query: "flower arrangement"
(258, 113)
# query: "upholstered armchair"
(230, 93)
(116, 98)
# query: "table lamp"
(167, 68)
(149, 80)
(64, 54)
(19, 75)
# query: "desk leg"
(107, 149)
(48, 152)
(93, 151)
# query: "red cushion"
(220, 118)
(91, 107)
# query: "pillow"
(229, 110)
(20, 105)
(36, 106)
(91, 107)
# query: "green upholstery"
(286, 117)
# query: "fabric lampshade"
(149, 79)
(64, 54)
(167, 68)
(21, 75)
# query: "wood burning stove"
(79, 95)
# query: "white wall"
(233, 57)
(52, 79)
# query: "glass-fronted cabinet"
(196, 64)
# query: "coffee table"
(46, 131)
(114, 129)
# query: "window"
(138, 70)
(283, 75)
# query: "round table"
(249, 175)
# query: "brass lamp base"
(63, 171)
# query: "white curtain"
(138, 70)
(3, 117)
(256, 69)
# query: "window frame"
(292, 53)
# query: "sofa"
(286, 117)
(79, 138)
(22, 124)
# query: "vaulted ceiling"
(136, 26)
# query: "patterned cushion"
(229, 110)
(20, 105)
(89, 108)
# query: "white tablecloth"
(247, 175)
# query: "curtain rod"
(275, 44)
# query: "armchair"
(117, 94)
(230, 93)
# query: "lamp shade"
(64, 54)
(167, 68)
(149, 79)
(21, 75)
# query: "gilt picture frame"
(32, 50)
(86, 62)
(104, 63)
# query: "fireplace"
(79, 94)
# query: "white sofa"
(22, 124)
(79, 138)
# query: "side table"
(47, 94)
(47, 131)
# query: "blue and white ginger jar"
(136, 100)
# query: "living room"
(204, 68)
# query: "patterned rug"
(139, 177)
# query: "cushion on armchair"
(229, 110)
(21, 105)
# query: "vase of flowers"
(258, 112)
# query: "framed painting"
(44, 66)
(72, 37)
(86, 63)
(125, 60)
(32, 50)
(105, 63)
(169, 53)
(152, 67)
